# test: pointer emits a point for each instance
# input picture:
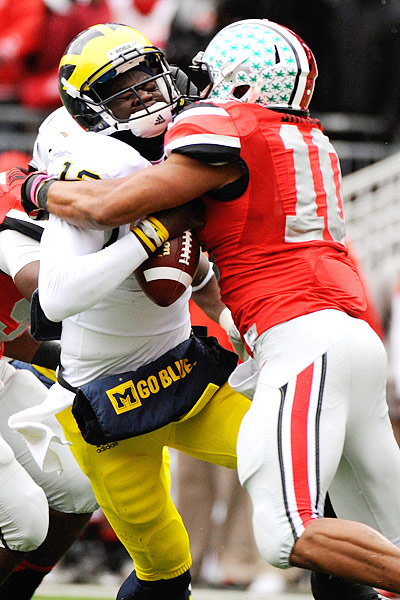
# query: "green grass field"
(62, 591)
(98, 592)
(73, 598)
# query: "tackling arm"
(207, 296)
(103, 204)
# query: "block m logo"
(124, 397)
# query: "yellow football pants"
(131, 480)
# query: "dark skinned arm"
(208, 298)
(24, 347)
(26, 279)
(109, 203)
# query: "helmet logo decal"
(122, 49)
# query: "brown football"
(167, 273)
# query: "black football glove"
(15, 175)
(34, 195)
(183, 83)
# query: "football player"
(160, 385)
(41, 514)
(268, 173)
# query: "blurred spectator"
(191, 29)
(197, 21)
(12, 158)
(64, 19)
(365, 58)
(33, 37)
(151, 17)
(21, 26)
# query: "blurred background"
(357, 97)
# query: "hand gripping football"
(167, 273)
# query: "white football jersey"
(109, 325)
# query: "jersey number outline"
(17, 321)
(319, 208)
(81, 175)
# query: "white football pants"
(25, 491)
(318, 422)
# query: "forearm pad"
(47, 355)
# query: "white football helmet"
(95, 57)
(259, 61)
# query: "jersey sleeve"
(76, 271)
(16, 251)
(204, 131)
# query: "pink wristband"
(38, 179)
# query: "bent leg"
(296, 437)
(23, 506)
(131, 484)
(35, 537)
(23, 512)
(68, 492)
(211, 435)
(328, 587)
(351, 550)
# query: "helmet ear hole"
(240, 91)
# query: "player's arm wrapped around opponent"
(171, 388)
(82, 270)
(206, 294)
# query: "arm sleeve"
(77, 273)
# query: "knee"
(25, 527)
(177, 588)
(274, 541)
(24, 511)
(72, 493)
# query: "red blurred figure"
(34, 34)
(20, 30)
(11, 158)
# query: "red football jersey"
(14, 308)
(278, 241)
(10, 194)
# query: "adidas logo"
(160, 119)
(108, 446)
